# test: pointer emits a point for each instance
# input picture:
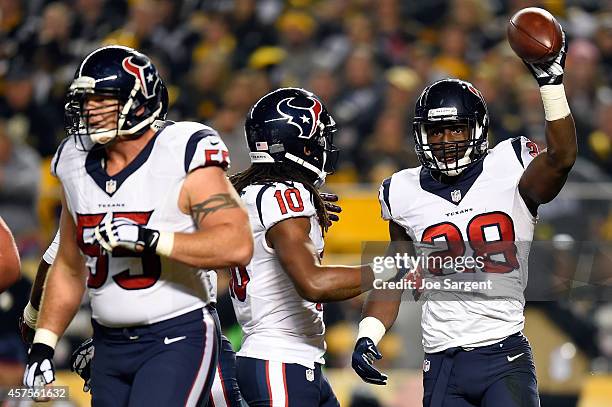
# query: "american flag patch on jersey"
(261, 145)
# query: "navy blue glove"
(332, 209)
(80, 362)
(363, 359)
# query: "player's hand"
(332, 209)
(125, 233)
(80, 362)
(363, 362)
(551, 72)
(40, 370)
(27, 331)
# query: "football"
(535, 35)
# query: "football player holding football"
(146, 209)
(468, 199)
(277, 296)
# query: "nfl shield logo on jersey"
(426, 365)
(111, 186)
(310, 375)
(456, 195)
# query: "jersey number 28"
(490, 235)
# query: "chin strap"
(104, 137)
(319, 173)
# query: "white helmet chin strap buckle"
(449, 172)
(462, 164)
(103, 136)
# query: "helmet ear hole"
(307, 151)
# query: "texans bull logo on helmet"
(145, 74)
(306, 119)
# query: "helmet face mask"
(115, 83)
(450, 103)
(97, 115)
(292, 125)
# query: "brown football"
(534, 35)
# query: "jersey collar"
(455, 192)
(111, 184)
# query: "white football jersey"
(483, 206)
(277, 323)
(125, 288)
(210, 277)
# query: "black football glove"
(125, 233)
(551, 72)
(332, 209)
(40, 370)
(80, 362)
(363, 362)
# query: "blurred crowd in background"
(368, 60)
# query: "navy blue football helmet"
(450, 101)
(292, 125)
(120, 74)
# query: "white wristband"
(46, 336)
(555, 102)
(372, 328)
(30, 315)
(165, 244)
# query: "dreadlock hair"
(286, 173)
